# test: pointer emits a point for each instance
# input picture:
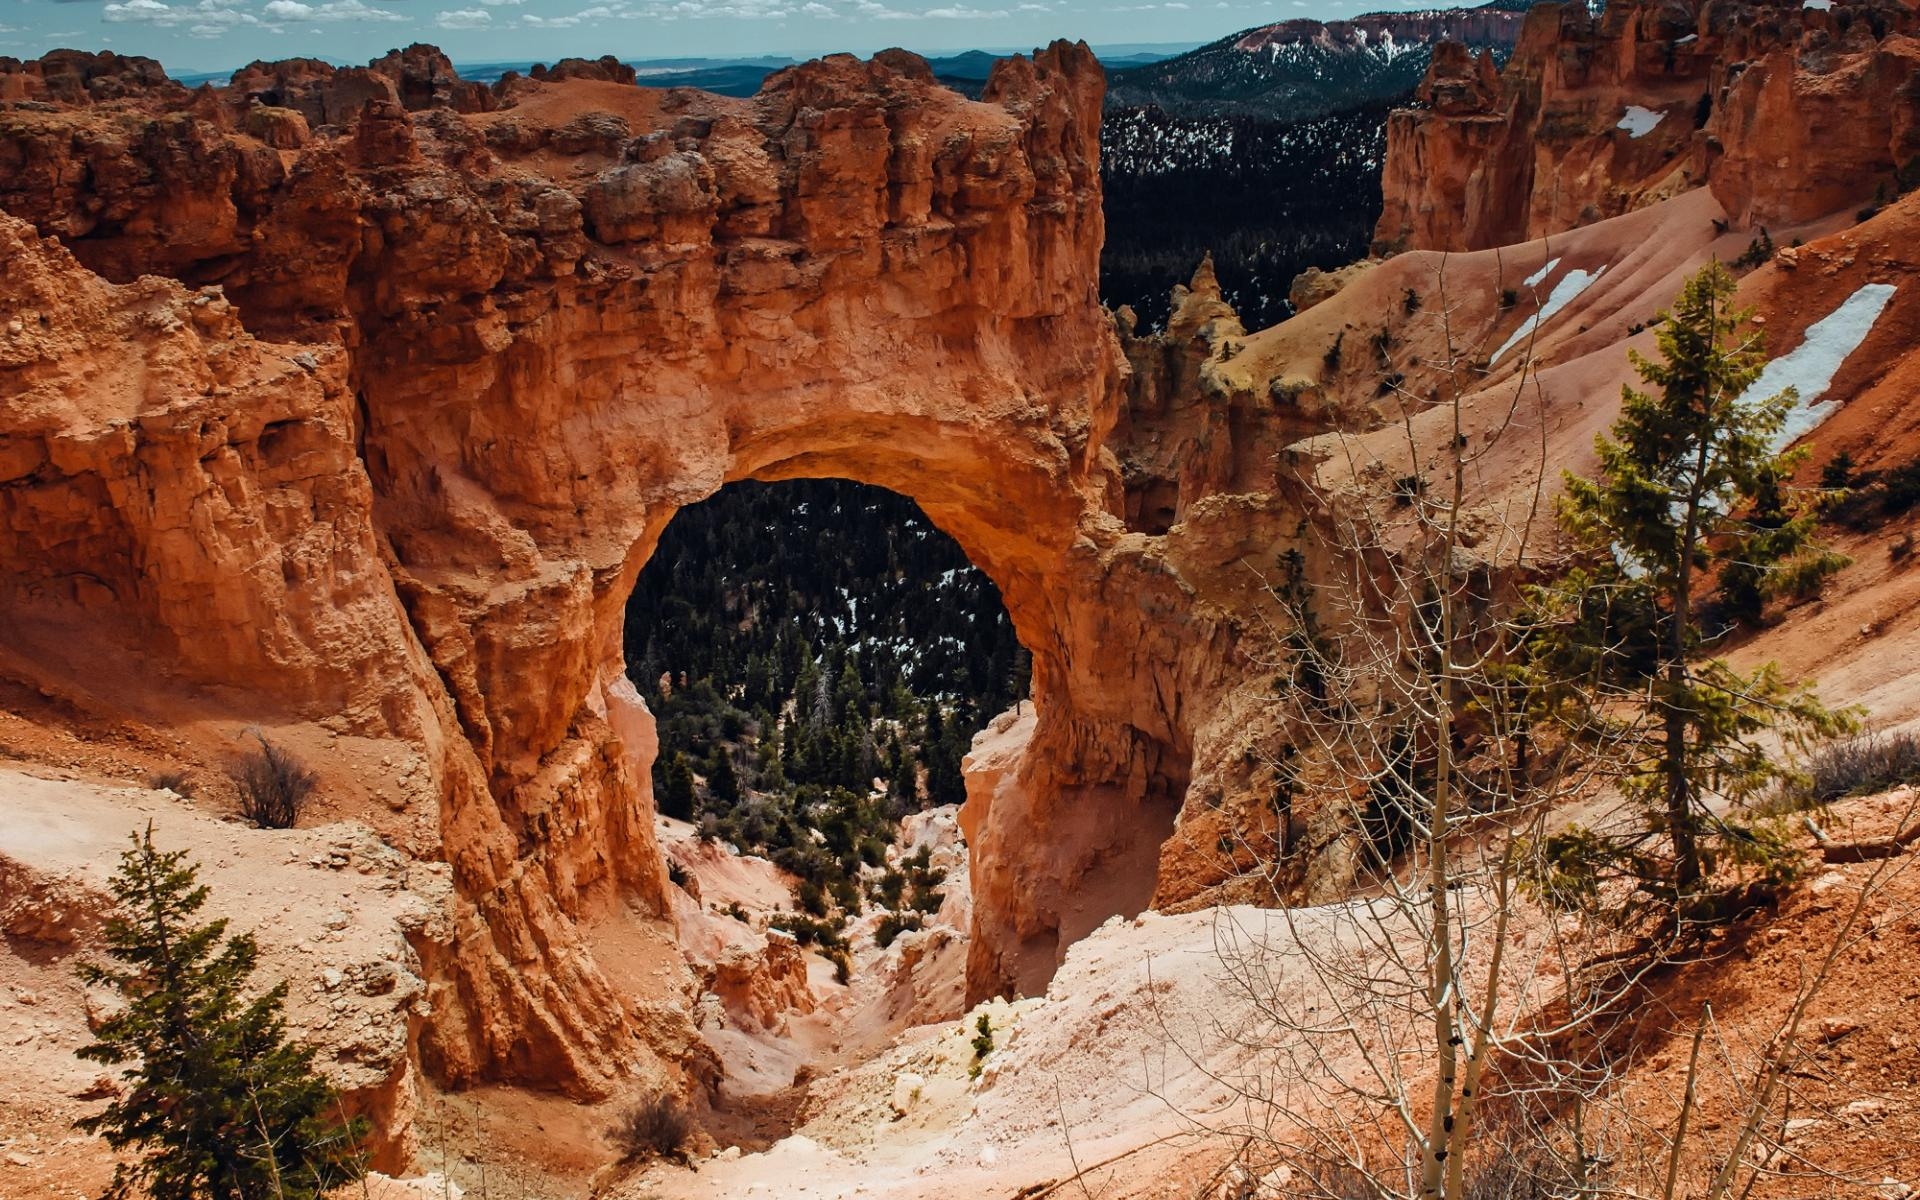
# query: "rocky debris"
(761, 984)
(1314, 286)
(344, 920)
(431, 1186)
(907, 1089)
(55, 909)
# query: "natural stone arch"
(498, 349)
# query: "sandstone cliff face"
(762, 984)
(391, 451)
(1789, 113)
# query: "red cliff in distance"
(1788, 113)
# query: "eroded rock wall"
(1789, 112)
(372, 423)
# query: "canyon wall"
(358, 397)
(1788, 112)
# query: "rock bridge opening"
(421, 393)
(817, 656)
(900, 571)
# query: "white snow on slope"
(1563, 294)
(1534, 279)
(1638, 121)
(1822, 5)
(1811, 366)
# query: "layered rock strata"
(359, 398)
(1788, 112)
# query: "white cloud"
(211, 18)
(207, 17)
(464, 18)
(330, 10)
(598, 12)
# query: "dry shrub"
(656, 1127)
(1860, 766)
(274, 786)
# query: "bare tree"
(1455, 1030)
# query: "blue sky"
(205, 35)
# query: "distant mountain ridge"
(1300, 69)
(965, 72)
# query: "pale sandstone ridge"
(497, 350)
(1787, 112)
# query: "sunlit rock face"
(1789, 112)
(361, 396)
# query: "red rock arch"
(398, 473)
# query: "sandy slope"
(330, 906)
(1116, 1062)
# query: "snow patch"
(1563, 294)
(1535, 279)
(1811, 366)
(1822, 5)
(1639, 122)
(1692, 37)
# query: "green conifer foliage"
(1688, 480)
(218, 1101)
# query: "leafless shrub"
(1872, 762)
(655, 1127)
(274, 786)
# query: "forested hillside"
(1303, 68)
(1265, 149)
(799, 642)
(1268, 198)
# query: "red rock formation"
(762, 984)
(1788, 113)
(606, 68)
(78, 77)
(498, 350)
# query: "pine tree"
(1686, 465)
(723, 785)
(674, 788)
(218, 1100)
